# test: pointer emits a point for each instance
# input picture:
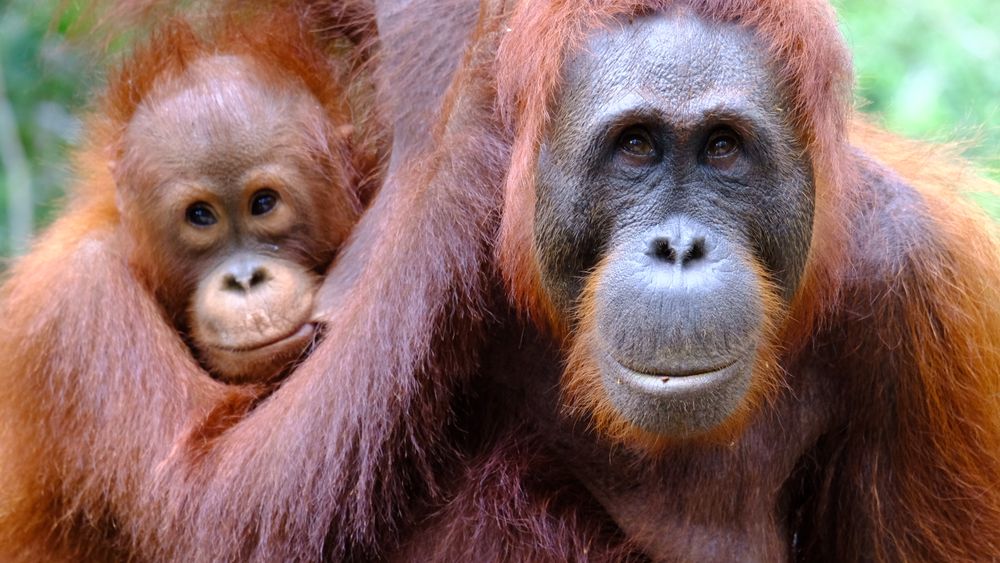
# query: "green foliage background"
(929, 68)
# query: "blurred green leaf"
(47, 83)
(931, 70)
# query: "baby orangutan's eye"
(263, 202)
(200, 214)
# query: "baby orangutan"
(236, 180)
(220, 173)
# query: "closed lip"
(683, 371)
(676, 383)
(298, 334)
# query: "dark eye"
(200, 215)
(636, 142)
(263, 202)
(722, 145)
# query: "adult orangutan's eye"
(635, 142)
(722, 148)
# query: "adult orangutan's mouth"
(675, 382)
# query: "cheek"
(331, 209)
(571, 233)
(783, 224)
(168, 270)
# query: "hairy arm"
(97, 387)
(422, 42)
(918, 462)
(142, 442)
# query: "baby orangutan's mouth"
(263, 360)
(302, 333)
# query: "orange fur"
(898, 305)
(125, 440)
(893, 456)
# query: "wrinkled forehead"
(221, 108)
(674, 61)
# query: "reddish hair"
(932, 430)
(283, 47)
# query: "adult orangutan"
(781, 325)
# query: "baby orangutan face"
(234, 183)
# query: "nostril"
(232, 283)
(243, 282)
(694, 252)
(259, 276)
(662, 249)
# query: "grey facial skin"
(669, 171)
